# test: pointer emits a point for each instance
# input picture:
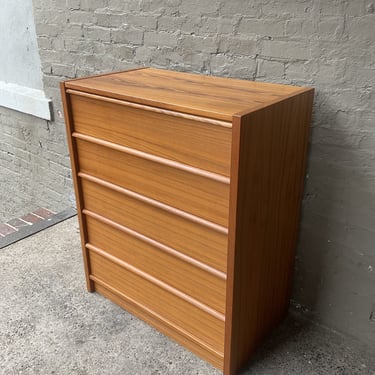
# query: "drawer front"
(189, 192)
(189, 279)
(179, 312)
(202, 145)
(195, 240)
(181, 336)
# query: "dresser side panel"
(263, 228)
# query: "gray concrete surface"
(49, 324)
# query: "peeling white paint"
(21, 85)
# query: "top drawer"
(197, 143)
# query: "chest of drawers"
(188, 195)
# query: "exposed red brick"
(17, 223)
(43, 212)
(31, 218)
(5, 229)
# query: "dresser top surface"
(202, 95)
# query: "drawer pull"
(157, 282)
(156, 159)
(159, 317)
(155, 203)
(152, 109)
(157, 244)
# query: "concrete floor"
(49, 324)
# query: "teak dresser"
(188, 195)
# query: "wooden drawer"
(158, 262)
(193, 193)
(179, 312)
(154, 155)
(177, 333)
(195, 143)
(205, 244)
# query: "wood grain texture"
(176, 310)
(265, 205)
(179, 334)
(197, 241)
(142, 107)
(213, 97)
(153, 158)
(77, 187)
(156, 244)
(154, 203)
(156, 282)
(189, 190)
(191, 280)
(195, 194)
(194, 143)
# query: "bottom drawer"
(182, 337)
(194, 324)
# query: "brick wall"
(326, 44)
(34, 165)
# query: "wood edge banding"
(74, 80)
(74, 161)
(156, 281)
(233, 194)
(153, 158)
(301, 91)
(155, 203)
(160, 246)
(167, 112)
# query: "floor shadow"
(300, 346)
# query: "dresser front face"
(188, 194)
(154, 188)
